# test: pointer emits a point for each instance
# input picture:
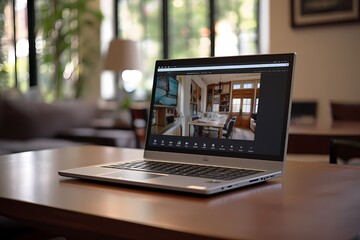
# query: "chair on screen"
(229, 129)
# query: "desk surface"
(313, 139)
(207, 122)
(312, 200)
(339, 128)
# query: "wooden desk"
(312, 139)
(312, 201)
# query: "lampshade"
(123, 55)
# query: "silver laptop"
(215, 124)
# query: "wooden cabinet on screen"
(165, 115)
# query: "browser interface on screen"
(228, 109)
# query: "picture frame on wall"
(319, 12)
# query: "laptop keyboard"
(218, 173)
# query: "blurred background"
(57, 50)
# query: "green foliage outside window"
(60, 24)
(3, 61)
(189, 33)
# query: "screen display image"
(227, 110)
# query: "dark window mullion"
(212, 14)
(258, 27)
(14, 41)
(32, 48)
(116, 17)
(165, 25)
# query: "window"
(14, 45)
(216, 103)
(190, 36)
(66, 57)
(141, 21)
(241, 105)
(245, 97)
(24, 46)
(236, 103)
(165, 28)
(188, 28)
(237, 86)
(246, 105)
(248, 85)
(236, 27)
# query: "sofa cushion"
(21, 119)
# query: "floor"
(243, 134)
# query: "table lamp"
(124, 57)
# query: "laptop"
(214, 124)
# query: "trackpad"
(132, 175)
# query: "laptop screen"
(223, 106)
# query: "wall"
(328, 59)
(202, 85)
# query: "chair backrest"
(230, 127)
(233, 118)
(343, 149)
(301, 108)
(139, 118)
(303, 112)
(345, 111)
